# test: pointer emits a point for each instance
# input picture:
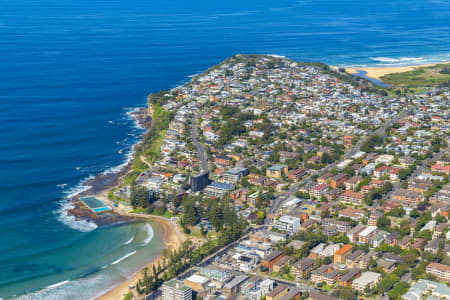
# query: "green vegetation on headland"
(433, 76)
(149, 148)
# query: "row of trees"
(177, 261)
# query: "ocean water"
(71, 70)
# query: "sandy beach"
(377, 72)
(173, 238)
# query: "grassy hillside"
(422, 76)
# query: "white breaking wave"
(397, 60)
(130, 240)
(149, 231)
(67, 204)
(61, 186)
(124, 257)
(130, 115)
(129, 154)
(277, 56)
(57, 284)
(71, 221)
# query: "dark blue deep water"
(68, 68)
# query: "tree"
(397, 212)
(425, 234)
(399, 289)
(216, 216)
(414, 213)
(139, 196)
(384, 223)
(326, 158)
(190, 213)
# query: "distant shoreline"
(378, 72)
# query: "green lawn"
(430, 76)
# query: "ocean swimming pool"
(95, 204)
(101, 209)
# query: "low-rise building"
(287, 224)
(176, 290)
(342, 253)
(271, 259)
(367, 279)
(277, 171)
(233, 287)
(197, 283)
(347, 279)
(233, 175)
(422, 287)
(217, 189)
(325, 273)
(351, 197)
(302, 267)
(439, 270)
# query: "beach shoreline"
(99, 187)
(172, 240)
(378, 72)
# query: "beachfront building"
(176, 290)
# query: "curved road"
(200, 149)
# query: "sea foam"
(124, 257)
(67, 204)
(149, 231)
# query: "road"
(200, 149)
(417, 171)
(356, 148)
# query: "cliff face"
(151, 108)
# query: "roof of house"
(277, 167)
(351, 273)
(367, 277)
(344, 249)
(439, 266)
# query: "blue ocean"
(70, 71)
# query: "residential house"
(276, 171)
(433, 246)
(223, 160)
